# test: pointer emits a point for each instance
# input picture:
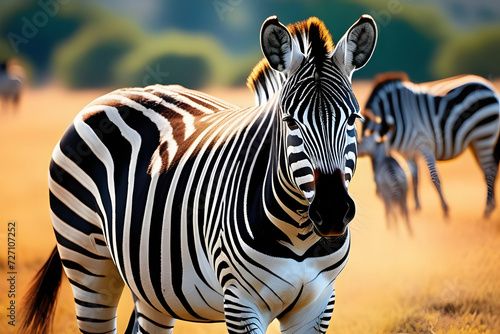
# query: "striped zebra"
(390, 179)
(206, 211)
(438, 121)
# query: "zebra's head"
(372, 134)
(318, 111)
(379, 123)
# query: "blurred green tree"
(474, 53)
(90, 57)
(189, 59)
(34, 29)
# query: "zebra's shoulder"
(169, 101)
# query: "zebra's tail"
(40, 300)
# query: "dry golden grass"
(443, 280)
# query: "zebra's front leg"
(241, 315)
(414, 176)
(431, 165)
(149, 320)
(303, 320)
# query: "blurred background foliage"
(117, 43)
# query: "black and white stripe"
(438, 120)
(390, 179)
(206, 211)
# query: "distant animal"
(10, 87)
(390, 179)
(207, 211)
(438, 120)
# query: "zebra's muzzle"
(332, 208)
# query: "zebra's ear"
(278, 46)
(356, 47)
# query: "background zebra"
(390, 179)
(209, 212)
(437, 120)
(10, 87)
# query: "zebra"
(437, 120)
(10, 87)
(206, 211)
(390, 179)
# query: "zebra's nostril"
(315, 217)
(351, 211)
(332, 208)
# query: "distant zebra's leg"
(431, 165)
(489, 166)
(149, 320)
(15, 102)
(389, 216)
(490, 176)
(4, 103)
(404, 212)
(414, 176)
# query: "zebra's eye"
(352, 119)
(290, 122)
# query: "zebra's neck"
(283, 204)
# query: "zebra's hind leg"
(149, 320)
(97, 287)
(389, 214)
(131, 327)
(412, 165)
(490, 176)
(431, 165)
(489, 166)
(404, 213)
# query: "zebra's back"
(468, 108)
(446, 115)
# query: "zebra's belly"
(180, 292)
(165, 265)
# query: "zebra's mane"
(314, 41)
